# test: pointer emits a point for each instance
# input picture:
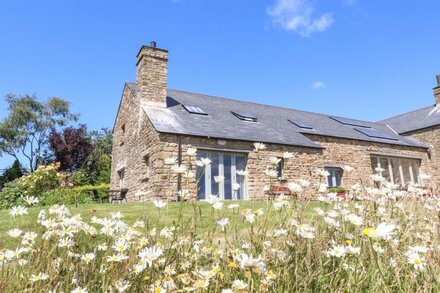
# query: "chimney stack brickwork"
(437, 92)
(151, 76)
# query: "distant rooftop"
(415, 120)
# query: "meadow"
(381, 239)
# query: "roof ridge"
(404, 114)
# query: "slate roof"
(272, 126)
(415, 120)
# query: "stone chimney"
(151, 76)
(437, 92)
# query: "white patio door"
(223, 164)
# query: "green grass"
(135, 211)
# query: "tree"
(99, 161)
(71, 147)
(24, 132)
(11, 173)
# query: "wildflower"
(88, 257)
(271, 173)
(31, 200)
(179, 169)
(170, 161)
(218, 205)
(122, 286)
(205, 161)
(223, 223)
(247, 261)
(259, 146)
(336, 251)
(274, 160)
(352, 250)
(354, 219)
(183, 193)
(378, 178)
(233, 206)
(191, 151)
(239, 284)
(159, 203)
(305, 231)
(219, 179)
(18, 211)
(416, 260)
(14, 233)
(249, 217)
(322, 173)
(29, 237)
(150, 254)
(242, 173)
(40, 277)
(348, 168)
(383, 230)
(79, 290)
(236, 186)
(287, 155)
(116, 258)
(294, 187)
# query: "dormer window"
(245, 117)
(194, 110)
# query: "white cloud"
(317, 85)
(297, 16)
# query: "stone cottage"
(155, 126)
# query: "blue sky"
(357, 58)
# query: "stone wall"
(431, 136)
(130, 150)
(162, 182)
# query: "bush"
(339, 189)
(79, 195)
(43, 179)
(11, 194)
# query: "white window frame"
(400, 176)
(221, 172)
(334, 182)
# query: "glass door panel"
(215, 158)
(227, 165)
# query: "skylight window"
(194, 110)
(351, 122)
(376, 133)
(245, 117)
(301, 124)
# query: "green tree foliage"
(11, 173)
(24, 132)
(98, 164)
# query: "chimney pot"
(438, 80)
(153, 45)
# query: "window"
(377, 134)
(401, 171)
(245, 117)
(335, 177)
(280, 168)
(148, 165)
(226, 165)
(121, 175)
(301, 124)
(194, 110)
(351, 122)
(122, 134)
